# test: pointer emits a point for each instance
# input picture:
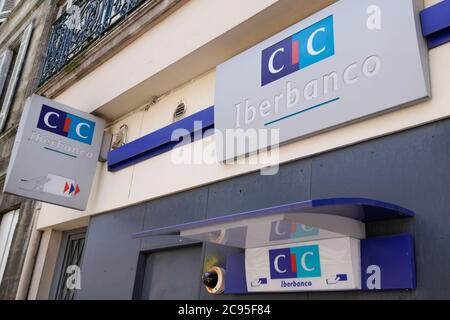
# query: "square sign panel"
(55, 154)
(352, 60)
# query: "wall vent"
(180, 112)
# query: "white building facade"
(157, 66)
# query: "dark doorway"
(172, 274)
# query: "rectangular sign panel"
(325, 265)
(388, 263)
(352, 60)
(55, 154)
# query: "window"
(12, 61)
(170, 267)
(6, 7)
(7, 227)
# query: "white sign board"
(55, 154)
(324, 265)
(352, 60)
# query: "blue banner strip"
(436, 24)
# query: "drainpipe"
(30, 258)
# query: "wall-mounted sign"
(388, 263)
(55, 154)
(352, 60)
(324, 265)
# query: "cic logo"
(283, 230)
(299, 51)
(298, 262)
(66, 125)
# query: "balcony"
(85, 22)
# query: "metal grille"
(72, 257)
(8, 5)
(82, 24)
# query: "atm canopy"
(296, 222)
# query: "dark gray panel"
(74, 239)
(251, 192)
(254, 191)
(179, 208)
(410, 169)
(111, 255)
(176, 209)
(173, 274)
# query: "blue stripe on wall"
(160, 141)
(436, 24)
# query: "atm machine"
(316, 245)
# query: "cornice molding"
(140, 21)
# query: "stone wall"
(41, 14)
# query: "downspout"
(30, 258)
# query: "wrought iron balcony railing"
(83, 23)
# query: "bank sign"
(352, 60)
(324, 265)
(55, 154)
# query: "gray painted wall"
(410, 169)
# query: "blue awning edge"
(361, 209)
(162, 140)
